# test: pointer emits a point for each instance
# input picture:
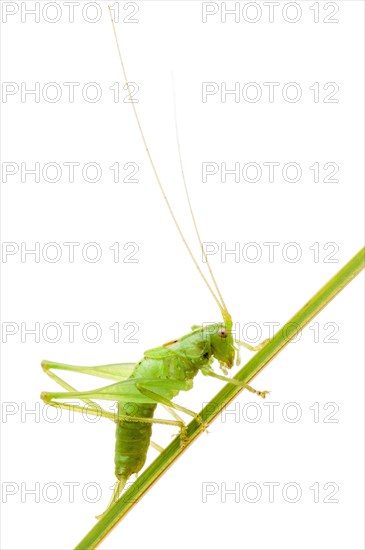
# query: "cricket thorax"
(181, 359)
(199, 348)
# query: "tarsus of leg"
(252, 348)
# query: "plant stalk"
(260, 360)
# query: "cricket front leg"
(253, 348)
(212, 374)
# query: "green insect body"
(179, 361)
(161, 374)
(158, 378)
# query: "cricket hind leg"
(115, 416)
(106, 371)
(46, 366)
(116, 371)
(95, 409)
(117, 491)
(129, 391)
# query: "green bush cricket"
(163, 371)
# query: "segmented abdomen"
(132, 440)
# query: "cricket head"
(222, 345)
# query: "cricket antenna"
(226, 314)
(220, 304)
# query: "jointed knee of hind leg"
(45, 396)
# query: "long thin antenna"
(222, 308)
(190, 205)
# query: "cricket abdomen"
(132, 439)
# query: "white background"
(162, 292)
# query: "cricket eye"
(222, 333)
